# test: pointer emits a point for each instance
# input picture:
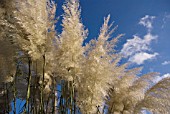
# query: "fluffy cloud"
(147, 21)
(166, 63)
(137, 45)
(139, 58)
(138, 49)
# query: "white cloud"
(147, 21)
(138, 49)
(166, 63)
(139, 58)
(137, 45)
(159, 78)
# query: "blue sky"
(137, 19)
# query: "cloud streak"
(147, 21)
(166, 63)
(165, 19)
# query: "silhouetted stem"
(42, 88)
(7, 98)
(29, 84)
(14, 88)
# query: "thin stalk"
(54, 97)
(111, 108)
(29, 84)
(74, 99)
(34, 91)
(64, 98)
(14, 88)
(7, 98)
(60, 108)
(51, 93)
(60, 104)
(47, 104)
(4, 87)
(72, 96)
(67, 99)
(42, 88)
